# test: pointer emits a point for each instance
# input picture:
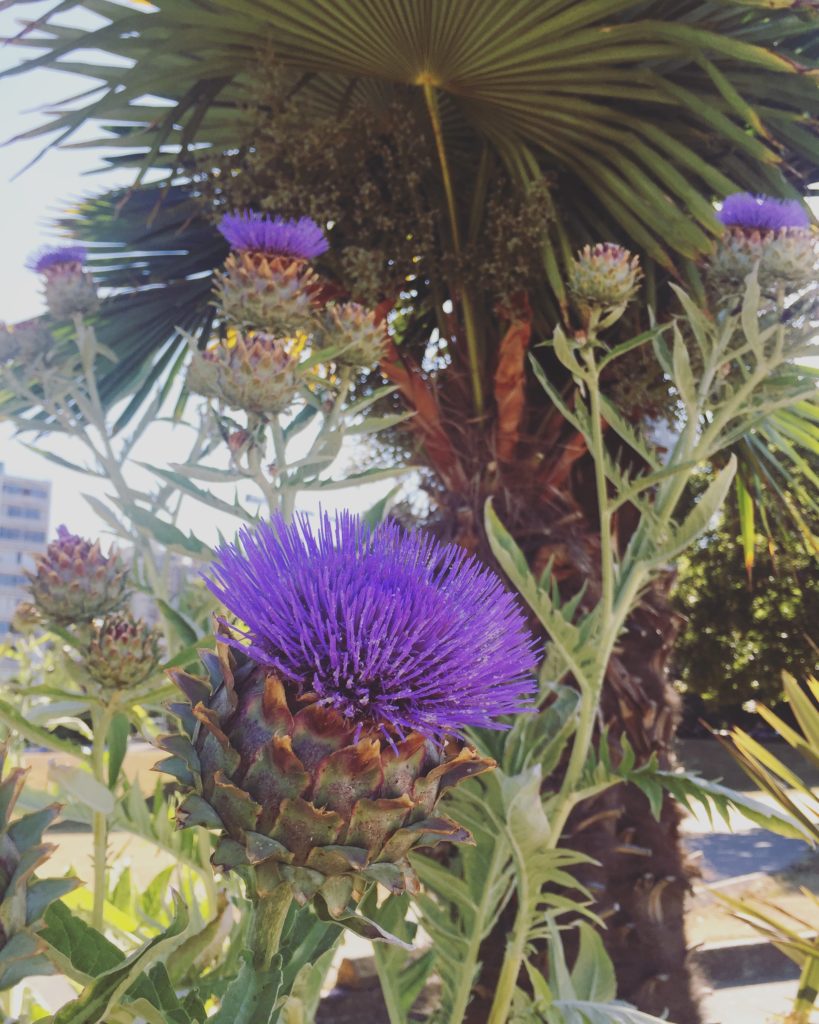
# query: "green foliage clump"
(741, 633)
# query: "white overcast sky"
(28, 204)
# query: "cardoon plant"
(69, 289)
(266, 283)
(333, 719)
(774, 234)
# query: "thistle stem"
(466, 976)
(607, 567)
(512, 963)
(267, 924)
(100, 723)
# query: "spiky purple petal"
(393, 629)
(250, 231)
(49, 259)
(762, 213)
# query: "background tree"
(741, 632)
(463, 151)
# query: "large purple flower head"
(53, 260)
(394, 630)
(762, 213)
(250, 231)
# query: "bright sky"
(28, 204)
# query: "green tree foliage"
(741, 632)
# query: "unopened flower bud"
(24, 342)
(256, 373)
(122, 652)
(604, 277)
(351, 328)
(238, 441)
(26, 619)
(74, 582)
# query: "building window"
(22, 512)
(10, 579)
(5, 627)
(29, 492)
(12, 533)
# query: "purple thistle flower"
(762, 213)
(392, 629)
(52, 259)
(250, 231)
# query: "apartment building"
(24, 513)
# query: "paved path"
(750, 1004)
(727, 855)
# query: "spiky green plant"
(23, 897)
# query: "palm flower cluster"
(330, 726)
(760, 231)
(603, 279)
(74, 582)
(69, 288)
(24, 899)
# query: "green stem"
(87, 346)
(470, 323)
(512, 964)
(466, 976)
(607, 567)
(100, 724)
(267, 924)
(271, 494)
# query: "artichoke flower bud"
(26, 619)
(773, 234)
(74, 582)
(122, 652)
(351, 328)
(267, 283)
(69, 288)
(23, 898)
(603, 279)
(320, 744)
(24, 342)
(256, 373)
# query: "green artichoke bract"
(603, 279)
(296, 793)
(352, 329)
(23, 898)
(256, 373)
(267, 292)
(122, 652)
(74, 582)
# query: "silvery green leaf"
(81, 785)
(683, 375)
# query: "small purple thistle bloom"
(250, 231)
(762, 213)
(51, 259)
(392, 629)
